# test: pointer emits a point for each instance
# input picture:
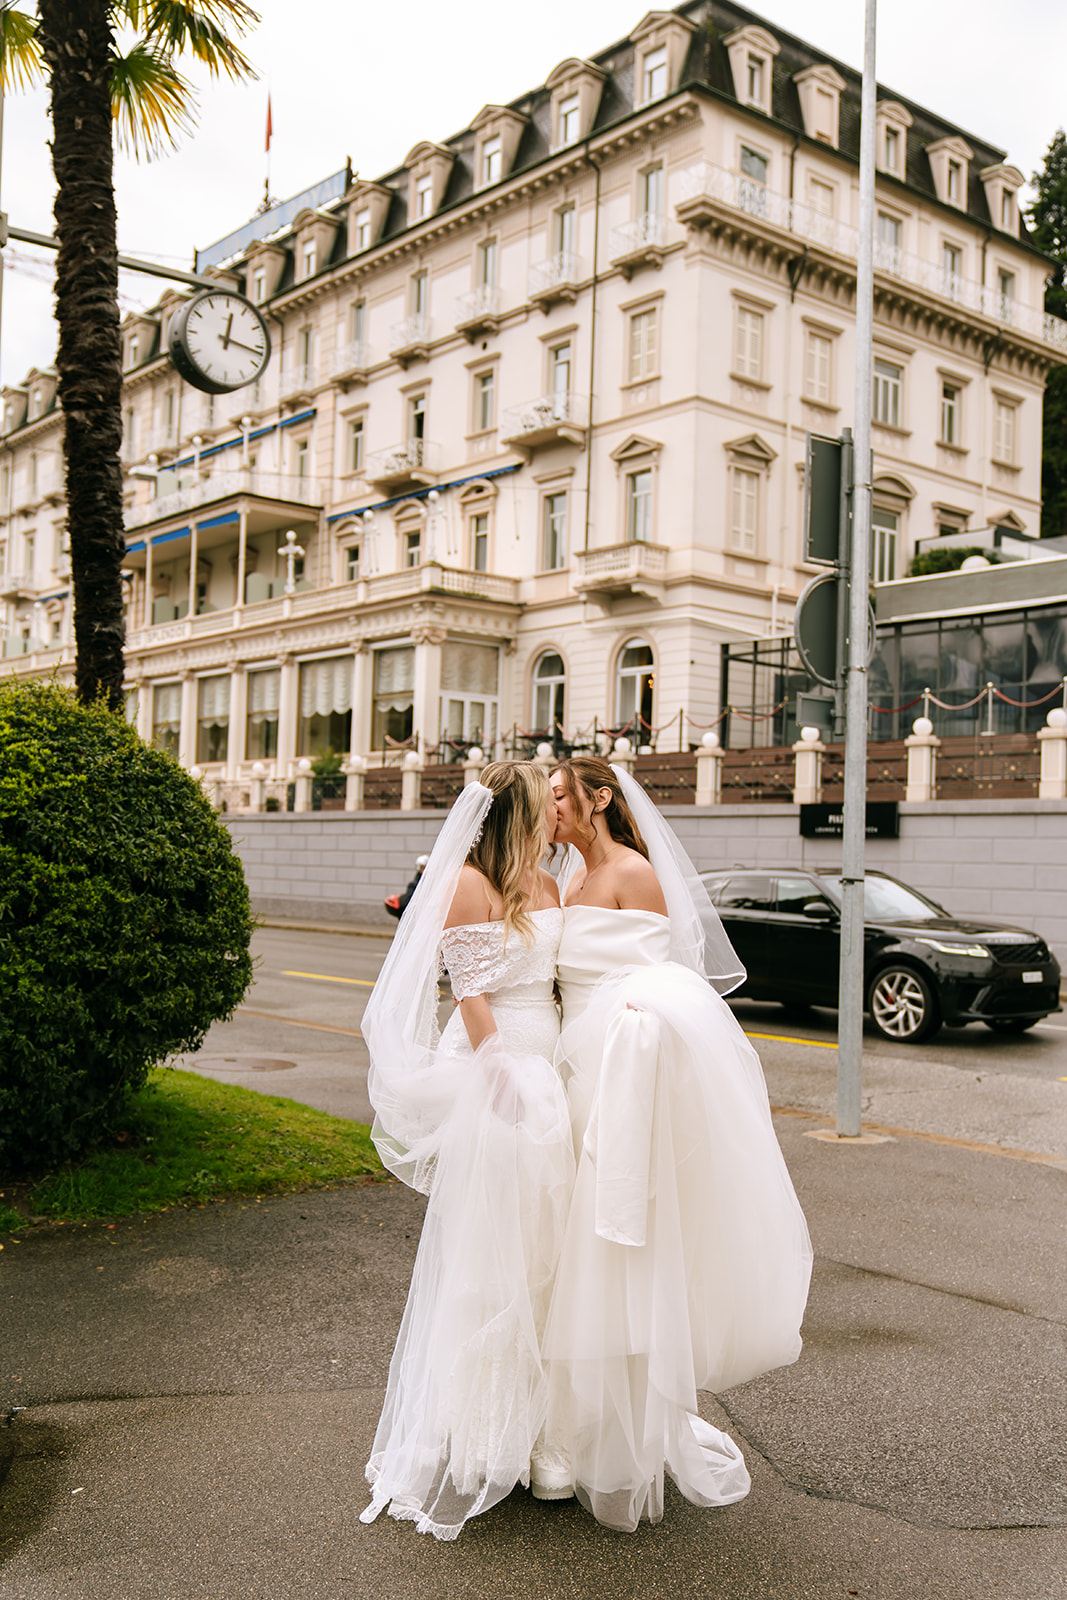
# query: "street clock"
(219, 342)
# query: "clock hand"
(256, 350)
(226, 335)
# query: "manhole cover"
(241, 1064)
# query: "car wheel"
(903, 1006)
(1010, 1024)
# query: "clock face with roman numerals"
(219, 342)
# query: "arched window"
(549, 685)
(634, 683)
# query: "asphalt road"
(297, 1035)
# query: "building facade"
(530, 446)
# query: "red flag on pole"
(270, 124)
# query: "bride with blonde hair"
(475, 1117)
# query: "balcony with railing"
(410, 340)
(619, 569)
(710, 195)
(297, 382)
(479, 311)
(350, 363)
(412, 464)
(550, 419)
(287, 487)
(558, 278)
(640, 242)
(17, 586)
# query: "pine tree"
(1048, 223)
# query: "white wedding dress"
(466, 1394)
(686, 1260)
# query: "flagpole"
(270, 131)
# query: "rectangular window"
(357, 322)
(29, 545)
(1007, 211)
(300, 459)
(213, 718)
(355, 444)
(485, 401)
(753, 164)
(639, 506)
(888, 386)
(309, 260)
(362, 239)
(888, 245)
(559, 368)
(420, 294)
(569, 120)
(1004, 431)
(644, 345)
(480, 542)
(167, 716)
(135, 348)
(755, 80)
(129, 429)
(1005, 295)
(821, 197)
(487, 264)
(492, 161)
(818, 367)
(748, 343)
(951, 271)
(752, 189)
(651, 191)
(394, 695)
(423, 196)
(884, 529)
(35, 464)
(892, 150)
(259, 285)
(654, 74)
(955, 182)
(563, 231)
(325, 707)
(825, 105)
(304, 347)
(555, 532)
(416, 416)
(351, 563)
(950, 413)
(412, 547)
(744, 509)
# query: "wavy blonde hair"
(512, 843)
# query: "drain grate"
(241, 1064)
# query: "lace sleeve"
(474, 958)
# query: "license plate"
(1033, 977)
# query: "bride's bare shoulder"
(475, 900)
(635, 885)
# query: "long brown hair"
(512, 842)
(587, 774)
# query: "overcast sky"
(370, 81)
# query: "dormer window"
(576, 88)
(892, 122)
(955, 179)
(1001, 184)
(362, 229)
(891, 150)
(820, 89)
(569, 120)
(423, 196)
(309, 259)
(134, 349)
(1007, 211)
(752, 51)
(259, 285)
(492, 161)
(654, 74)
(949, 160)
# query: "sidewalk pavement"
(201, 1389)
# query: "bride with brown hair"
(686, 1260)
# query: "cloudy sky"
(370, 81)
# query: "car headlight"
(954, 949)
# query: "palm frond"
(208, 30)
(21, 65)
(151, 103)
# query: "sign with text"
(824, 821)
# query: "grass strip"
(188, 1139)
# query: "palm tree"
(95, 88)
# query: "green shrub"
(124, 920)
(328, 765)
(946, 559)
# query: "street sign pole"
(850, 1008)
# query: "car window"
(886, 900)
(750, 892)
(795, 893)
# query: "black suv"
(922, 967)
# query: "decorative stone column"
(624, 755)
(428, 639)
(807, 775)
(288, 688)
(187, 731)
(411, 782)
(472, 766)
(362, 695)
(257, 787)
(709, 771)
(303, 785)
(1052, 784)
(238, 725)
(922, 747)
(355, 770)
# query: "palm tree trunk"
(76, 39)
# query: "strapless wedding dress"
(686, 1260)
(466, 1395)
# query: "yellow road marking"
(326, 977)
(792, 1038)
(292, 1022)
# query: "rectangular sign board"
(822, 500)
(825, 821)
